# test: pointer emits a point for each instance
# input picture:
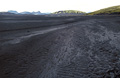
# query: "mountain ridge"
(9, 12)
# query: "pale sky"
(56, 5)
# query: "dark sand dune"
(85, 47)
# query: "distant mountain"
(27, 13)
(107, 11)
(69, 12)
(37, 13)
(33, 13)
(6, 13)
(12, 11)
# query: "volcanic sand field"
(59, 47)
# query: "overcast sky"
(56, 5)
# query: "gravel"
(87, 48)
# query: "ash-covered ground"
(60, 47)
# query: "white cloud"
(55, 5)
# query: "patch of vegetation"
(109, 11)
(68, 12)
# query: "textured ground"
(87, 48)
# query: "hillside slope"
(107, 11)
(68, 12)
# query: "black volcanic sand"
(79, 47)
